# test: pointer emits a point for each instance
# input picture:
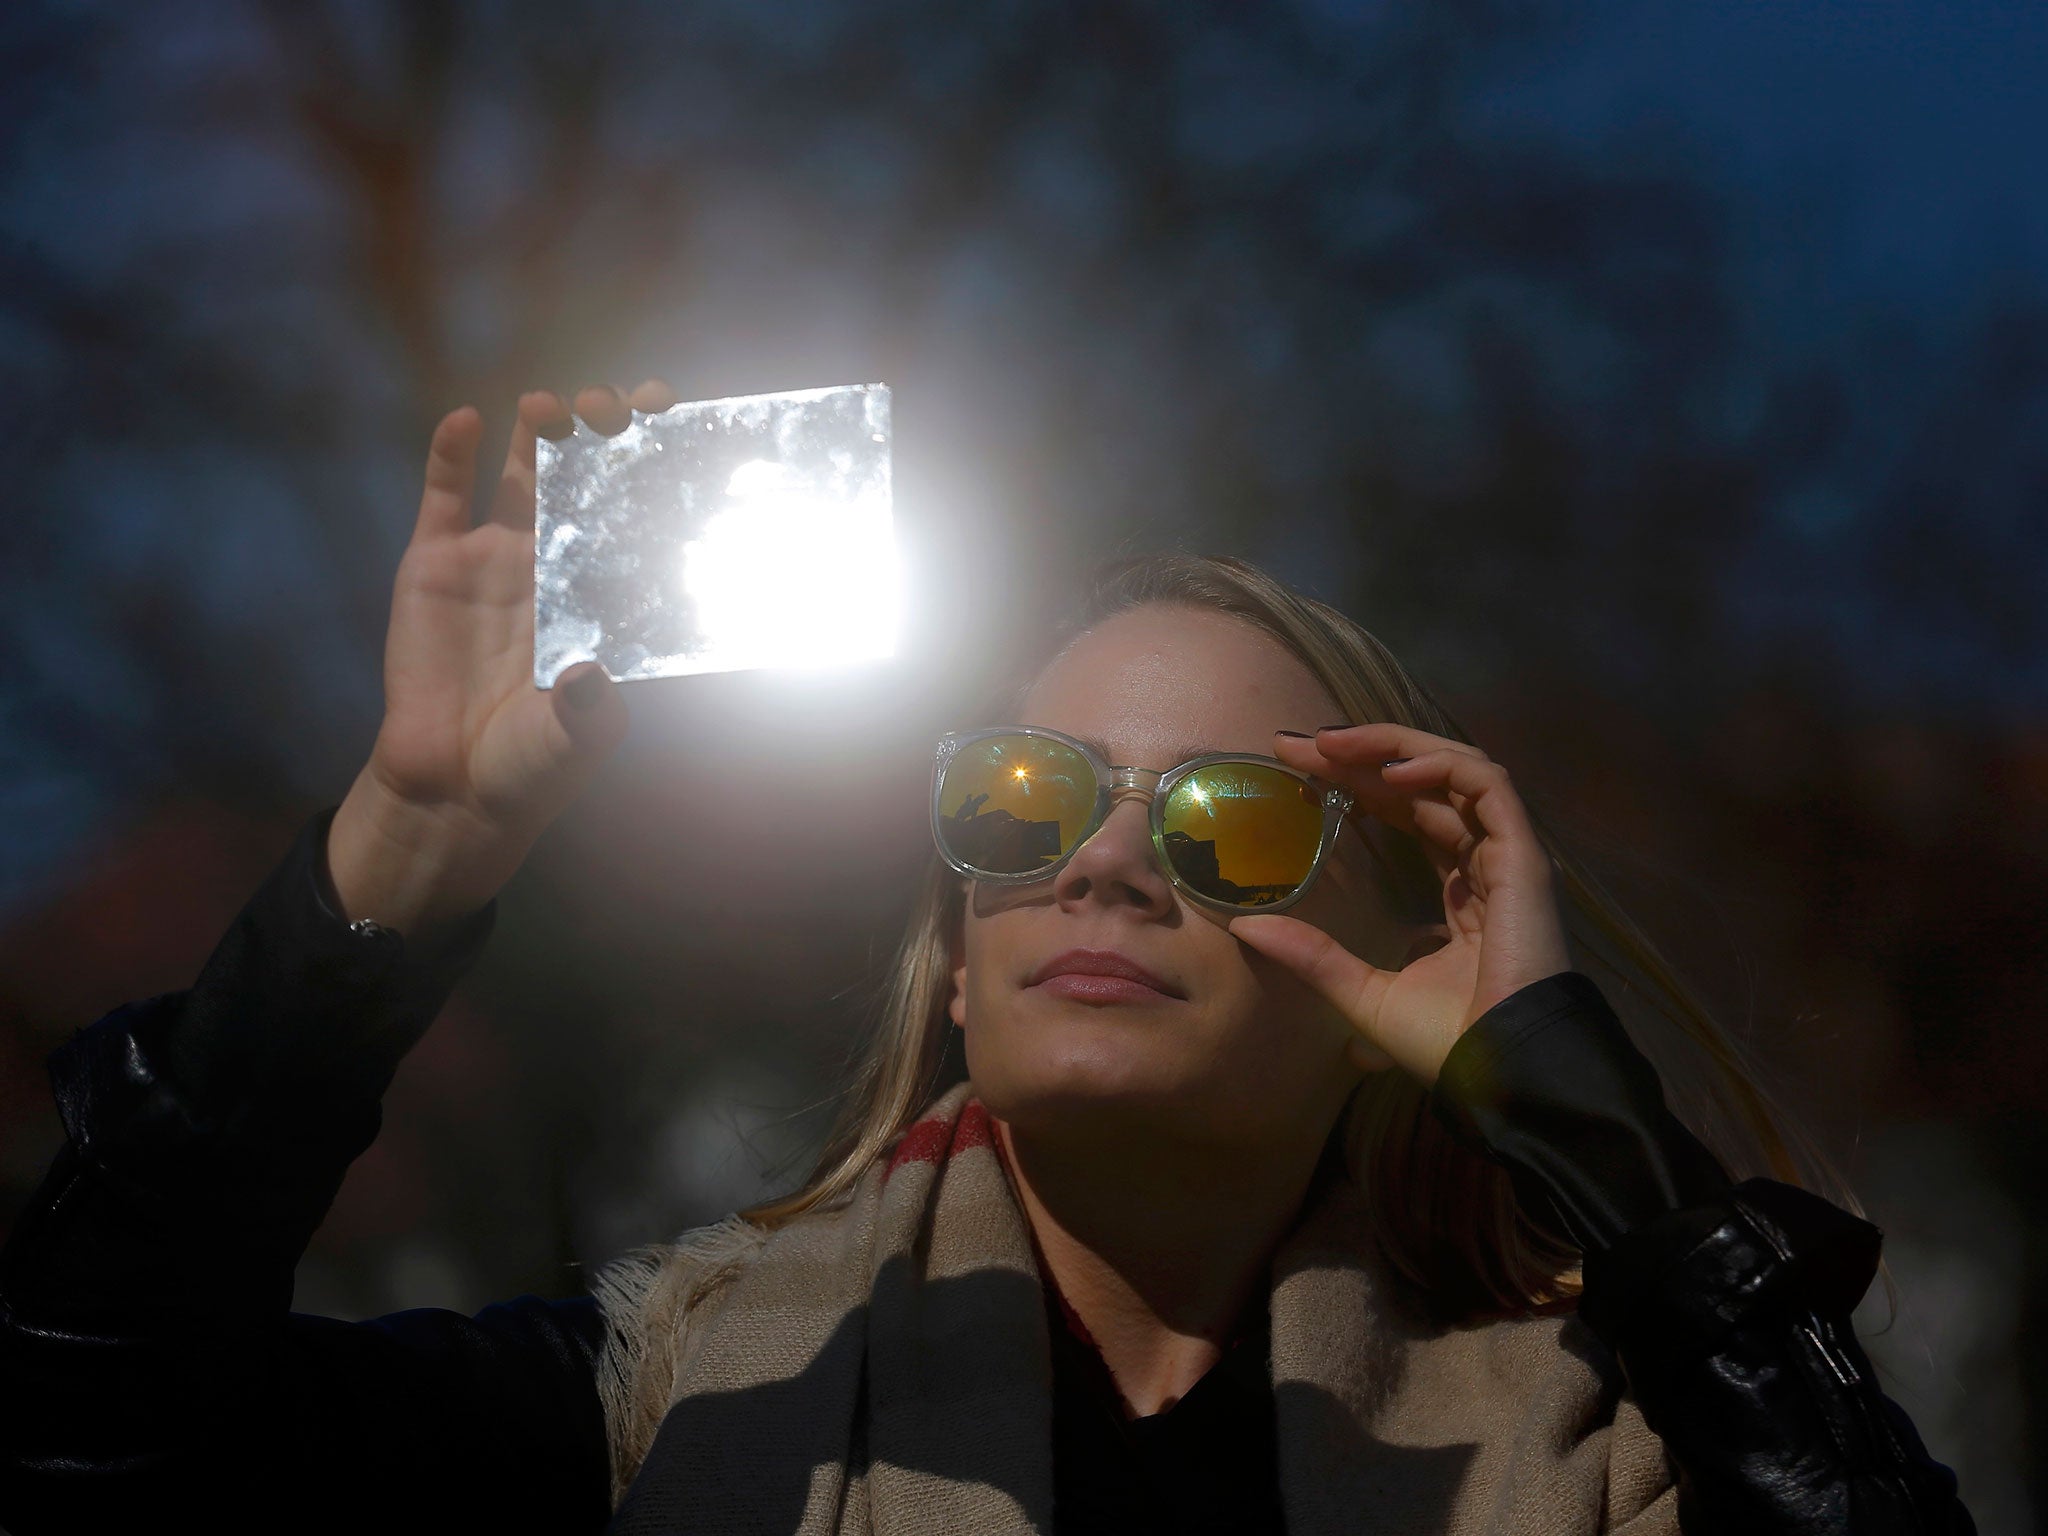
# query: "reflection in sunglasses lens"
(1012, 804)
(1243, 833)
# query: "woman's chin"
(1085, 1069)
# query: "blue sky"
(1906, 137)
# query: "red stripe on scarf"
(933, 1141)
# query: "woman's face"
(1231, 1049)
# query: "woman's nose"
(1118, 866)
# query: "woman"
(1302, 1183)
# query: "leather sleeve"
(151, 1370)
(1727, 1306)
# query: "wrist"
(415, 868)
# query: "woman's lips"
(1100, 976)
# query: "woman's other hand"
(472, 761)
(1502, 924)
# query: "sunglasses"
(1234, 832)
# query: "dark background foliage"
(1667, 386)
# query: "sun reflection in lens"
(1242, 832)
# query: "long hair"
(1446, 1217)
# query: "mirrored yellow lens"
(1012, 804)
(1243, 833)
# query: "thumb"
(588, 710)
(1350, 985)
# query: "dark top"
(152, 1373)
(1211, 1462)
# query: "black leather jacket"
(152, 1372)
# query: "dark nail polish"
(1394, 762)
(1340, 727)
(1297, 735)
(582, 692)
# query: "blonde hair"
(1446, 1217)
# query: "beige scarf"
(883, 1367)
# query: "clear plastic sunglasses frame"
(1114, 781)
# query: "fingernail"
(600, 389)
(1394, 762)
(1296, 735)
(583, 691)
(1322, 728)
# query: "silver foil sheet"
(719, 534)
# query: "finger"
(451, 475)
(1366, 779)
(1332, 972)
(652, 395)
(589, 713)
(1479, 791)
(1353, 755)
(512, 501)
(1383, 740)
(1447, 838)
(604, 409)
(551, 416)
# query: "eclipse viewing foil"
(717, 535)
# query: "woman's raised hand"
(472, 761)
(1502, 925)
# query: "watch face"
(718, 535)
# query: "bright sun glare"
(788, 575)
